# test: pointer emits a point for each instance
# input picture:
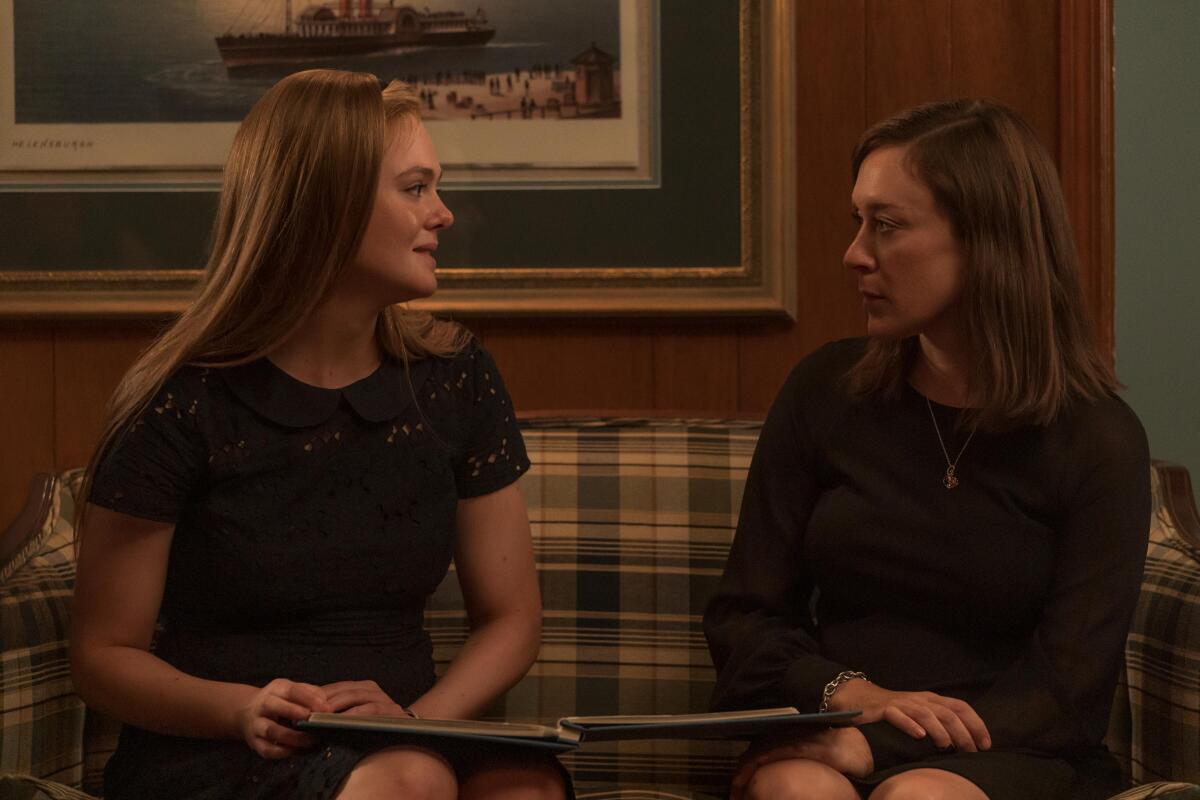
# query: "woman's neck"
(330, 349)
(941, 372)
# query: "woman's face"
(907, 257)
(395, 261)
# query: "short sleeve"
(156, 462)
(493, 455)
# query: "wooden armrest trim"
(1179, 502)
(27, 524)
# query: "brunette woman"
(944, 524)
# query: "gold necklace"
(950, 479)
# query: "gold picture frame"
(761, 282)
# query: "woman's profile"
(944, 523)
(288, 472)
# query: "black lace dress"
(310, 525)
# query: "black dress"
(1012, 591)
(310, 525)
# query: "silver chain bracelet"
(832, 686)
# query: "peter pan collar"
(277, 396)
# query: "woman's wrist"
(834, 696)
(236, 700)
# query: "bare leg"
(927, 784)
(799, 779)
(514, 782)
(407, 772)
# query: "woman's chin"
(879, 328)
(409, 292)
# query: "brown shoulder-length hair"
(1032, 348)
(298, 189)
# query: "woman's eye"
(883, 226)
(416, 189)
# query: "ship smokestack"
(344, 9)
(364, 9)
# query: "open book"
(570, 732)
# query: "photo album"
(571, 732)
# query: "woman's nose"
(858, 254)
(442, 217)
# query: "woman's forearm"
(496, 655)
(138, 688)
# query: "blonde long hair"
(1032, 344)
(297, 192)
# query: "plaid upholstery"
(51, 745)
(631, 522)
(41, 718)
(1156, 724)
(1164, 791)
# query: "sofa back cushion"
(631, 523)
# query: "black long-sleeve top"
(1012, 591)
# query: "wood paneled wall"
(857, 61)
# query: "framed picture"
(537, 94)
(649, 170)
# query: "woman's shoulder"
(1106, 423)
(815, 395)
(471, 359)
(187, 389)
(469, 375)
(170, 415)
(1100, 443)
(838, 355)
(822, 371)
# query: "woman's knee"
(514, 782)
(927, 784)
(799, 779)
(400, 772)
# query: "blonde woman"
(944, 524)
(286, 475)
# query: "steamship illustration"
(319, 31)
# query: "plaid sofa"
(631, 521)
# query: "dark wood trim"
(1085, 148)
(29, 520)
(1179, 501)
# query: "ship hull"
(241, 52)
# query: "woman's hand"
(948, 721)
(362, 698)
(264, 721)
(843, 749)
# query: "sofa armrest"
(1157, 734)
(41, 718)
